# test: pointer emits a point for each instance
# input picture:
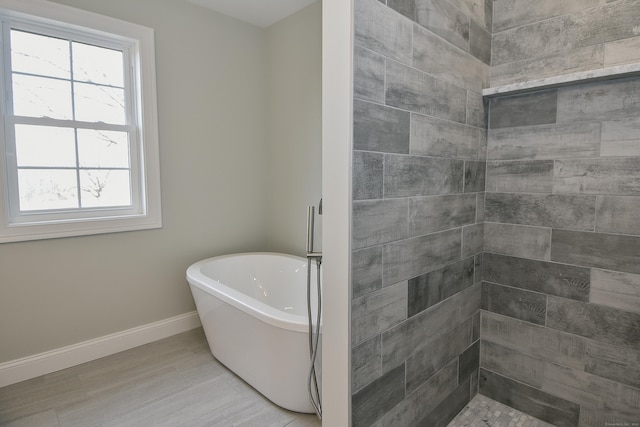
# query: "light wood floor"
(172, 382)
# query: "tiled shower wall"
(533, 39)
(561, 270)
(418, 181)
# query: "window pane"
(97, 65)
(41, 97)
(99, 104)
(47, 189)
(102, 188)
(42, 55)
(103, 149)
(45, 146)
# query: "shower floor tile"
(485, 412)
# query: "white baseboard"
(29, 367)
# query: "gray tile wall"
(533, 39)
(560, 326)
(418, 207)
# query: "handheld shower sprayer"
(314, 336)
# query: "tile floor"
(485, 412)
(176, 382)
(172, 382)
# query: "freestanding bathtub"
(253, 309)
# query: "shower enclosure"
(496, 247)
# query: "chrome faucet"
(310, 231)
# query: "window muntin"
(77, 156)
(61, 166)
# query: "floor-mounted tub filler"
(253, 309)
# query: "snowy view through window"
(70, 124)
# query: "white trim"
(29, 367)
(143, 109)
(337, 94)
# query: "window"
(78, 133)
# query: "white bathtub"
(254, 313)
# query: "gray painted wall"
(232, 174)
(533, 39)
(294, 121)
(418, 180)
(560, 324)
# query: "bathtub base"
(268, 358)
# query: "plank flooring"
(171, 382)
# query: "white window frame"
(146, 210)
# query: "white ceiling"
(261, 13)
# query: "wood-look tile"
(516, 13)
(518, 240)
(621, 52)
(443, 138)
(367, 175)
(597, 417)
(615, 289)
(174, 381)
(480, 42)
(447, 62)
(476, 112)
(46, 418)
(373, 401)
(621, 137)
(513, 302)
(435, 355)
(608, 251)
(612, 362)
(438, 213)
(608, 100)
(407, 338)
(545, 343)
(474, 176)
(449, 408)
(590, 390)
(544, 142)
(422, 401)
(547, 407)
(550, 278)
(566, 62)
(548, 210)
(38, 395)
(378, 221)
(528, 176)
(406, 176)
(469, 362)
(530, 109)
(368, 75)
(413, 90)
(513, 364)
(380, 128)
(366, 271)
(589, 26)
(366, 363)
(472, 240)
(409, 258)
(382, 30)
(618, 214)
(378, 311)
(445, 20)
(477, 10)
(606, 175)
(600, 323)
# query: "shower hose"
(312, 383)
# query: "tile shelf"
(600, 74)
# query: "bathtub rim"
(258, 309)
